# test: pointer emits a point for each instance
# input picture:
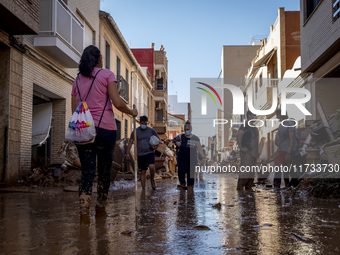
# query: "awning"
(263, 61)
(41, 123)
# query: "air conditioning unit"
(158, 105)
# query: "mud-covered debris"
(217, 206)
(230, 205)
(201, 227)
(126, 233)
(268, 225)
(301, 238)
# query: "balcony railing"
(57, 22)
(123, 88)
(336, 10)
(159, 116)
(160, 87)
(264, 95)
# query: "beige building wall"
(320, 56)
(22, 18)
(236, 60)
(140, 87)
(284, 42)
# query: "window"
(336, 9)
(118, 66)
(260, 80)
(89, 34)
(311, 5)
(107, 55)
(126, 128)
(127, 75)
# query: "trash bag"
(154, 141)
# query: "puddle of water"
(258, 222)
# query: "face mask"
(187, 132)
(143, 126)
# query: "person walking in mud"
(99, 88)
(286, 141)
(188, 145)
(248, 143)
(145, 152)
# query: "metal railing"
(159, 116)
(123, 88)
(267, 83)
(160, 87)
(56, 18)
(336, 9)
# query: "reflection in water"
(263, 221)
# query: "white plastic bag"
(81, 128)
(154, 141)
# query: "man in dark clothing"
(145, 152)
(188, 147)
(286, 142)
(248, 142)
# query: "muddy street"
(263, 221)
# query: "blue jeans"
(102, 148)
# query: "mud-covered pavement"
(260, 222)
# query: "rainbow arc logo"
(204, 98)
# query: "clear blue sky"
(193, 31)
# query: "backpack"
(81, 128)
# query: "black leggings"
(102, 148)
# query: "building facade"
(155, 64)
(17, 18)
(49, 69)
(275, 66)
(175, 107)
(320, 55)
(134, 87)
(236, 60)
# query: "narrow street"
(263, 221)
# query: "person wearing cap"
(145, 152)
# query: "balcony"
(160, 92)
(160, 87)
(123, 88)
(61, 34)
(264, 95)
(19, 17)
